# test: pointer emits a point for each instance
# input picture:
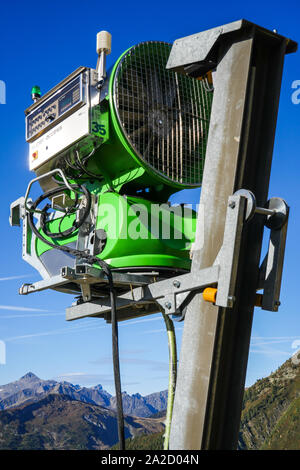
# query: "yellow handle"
(210, 294)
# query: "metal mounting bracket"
(270, 272)
(173, 295)
(199, 53)
(276, 212)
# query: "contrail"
(9, 278)
(22, 309)
(89, 325)
(34, 315)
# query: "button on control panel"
(51, 110)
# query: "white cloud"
(71, 374)
(10, 278)
(80, 327)
(266, 345)
(161, 330)
(28, 315)
(271, 338)
(22, 309)
(271, 352)
(85, 378)
(144, 320)
(89, 324)
(156, 365)
(89, 380)
(278, 341)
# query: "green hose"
(172, 377)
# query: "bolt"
(168, 305)
(277, 303)
(231, 300)
(176, 283)
(232, 204)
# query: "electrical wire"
(83, 167)
(116, 366)
(76, 223)
(172, 376)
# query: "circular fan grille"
(164, 115)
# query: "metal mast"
(215, 344)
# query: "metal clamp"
(276, 210)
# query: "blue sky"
(41, 43)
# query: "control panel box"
(66, 119)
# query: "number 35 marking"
(98, 128)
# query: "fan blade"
(149, 145)
(154, 87)
(141, 90)
(139, 131)
(169, 97)
(134, 83)
(129, 103)
(170, 90)
(127, 99)
(132, 115)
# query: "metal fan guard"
(164, 116)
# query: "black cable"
(68, 161)
(114, 323)
(116, 365)
(76, 224)
(115, 347)
(84, 168)
(67, 212)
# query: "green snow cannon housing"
(108, 154)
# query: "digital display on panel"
(53, 108)
(69, 98)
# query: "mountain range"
(31, 388)
(62, 423)
(45, 414)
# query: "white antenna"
(103, 49)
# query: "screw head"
(232, 204)
(176, 283)
(168, 305)
(231, 300)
